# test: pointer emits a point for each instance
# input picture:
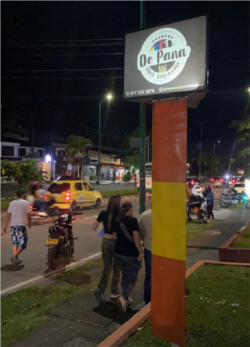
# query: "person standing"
(145, 225)
(209, 196)
(19, 216)
(108, 217)
(128, 253)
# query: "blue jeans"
(147, 283)
(41, 205)
(129, 267)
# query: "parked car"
(218, 182)
(240, 187)
(193, 180)
(74, 194)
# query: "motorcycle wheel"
(199, 218)
(72, 249)
(248, 204)
(73, 208)
(223, 204)
(51, 258)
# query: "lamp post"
(214, 148)
(108, 97)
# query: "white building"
(17, 151)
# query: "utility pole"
(142, 127)
(33, 143)
(200, 157)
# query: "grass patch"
(211, 319)
(25, 310)
(108, 193)
(243, 241)
(236, 207)
(5, 204)
(194, 229)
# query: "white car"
(240, 187)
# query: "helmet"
(197, 190)
(64, 220)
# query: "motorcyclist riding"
(36, 198)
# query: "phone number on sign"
(140, 92)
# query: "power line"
(84, 40)
(54, 45)
(60, 55)
(67, 70)
(62, 78)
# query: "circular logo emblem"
(163, 56)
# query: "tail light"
(212, 180)
(46, 197)
(67, 196)
(192, 182)
(31, 207)
(221, 180)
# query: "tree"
(7, 170)
(76, 147)
(23, 172)
(243, 139)
(132, 161)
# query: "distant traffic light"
(132, 167)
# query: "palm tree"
(76, 147)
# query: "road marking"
(90, 217)
(70, 266)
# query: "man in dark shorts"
(19, 216)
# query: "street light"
(214, 147)
(108, 97)
(248, 90)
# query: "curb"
(122, 334)
(11, 290)
(228, 253)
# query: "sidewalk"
(80, 322)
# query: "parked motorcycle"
(60, 241)
(233, 198)
(197, 205)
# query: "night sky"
(60, 36)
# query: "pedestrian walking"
(145, 225)
(209, 196)
(19, 216)
(108, 217)
(128, 253)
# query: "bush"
(127, 177)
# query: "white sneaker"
(129, 302)
(42, 214)
(114, 296)
(121, 302)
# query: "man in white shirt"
(145, 224)
(19, 215)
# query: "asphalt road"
(35, 256)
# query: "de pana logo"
(163, 56)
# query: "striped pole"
(169, 133)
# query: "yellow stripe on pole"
(169, 223)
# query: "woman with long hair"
(128, 252)
(108, 217)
